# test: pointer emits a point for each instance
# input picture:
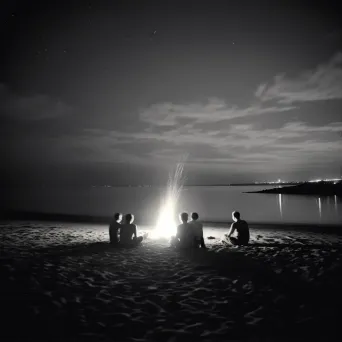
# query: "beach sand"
(64, 282)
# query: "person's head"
(129, 218)
(118, 217)
(184, 217)
(194, 216)
(236, 215)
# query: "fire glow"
(166, 225)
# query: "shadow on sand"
(227, 260)
(295, 245)
(82, 249)
(234, 264)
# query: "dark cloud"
(238, 145)
(214, 111)
(31, 107)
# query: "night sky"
(111, 92)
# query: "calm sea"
(212, 203)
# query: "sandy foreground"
(64, 282)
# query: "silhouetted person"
(128, 232)
(241, 227)
(197, 230)
(114, 228)
(184, 236)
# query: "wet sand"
(65, 282)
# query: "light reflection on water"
(327, 208)
(280, 206)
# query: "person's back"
(184, 232)
(242, 229)
(128, 234)
(114, 228)
(197, 230)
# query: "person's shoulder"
(196, 223)
(244, 224)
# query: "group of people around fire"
(189, 233)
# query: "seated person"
(184, 236)
(197, 228)
(241, 228)
(128, 232)
(114, 228)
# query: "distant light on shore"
(335, 180)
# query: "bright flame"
(166, 225)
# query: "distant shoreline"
(315, 189)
